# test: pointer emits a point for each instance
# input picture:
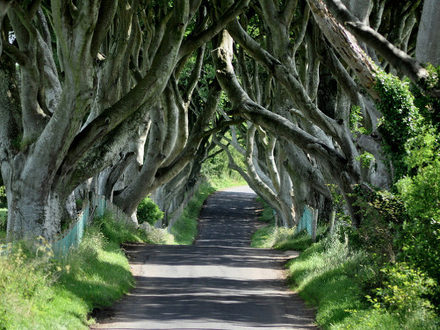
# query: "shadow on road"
(218, 283)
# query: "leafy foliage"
(3, 201)
(366, 159)
(404, 290)
(401, 120)
(429, 106)
(421, 241)
(382, 215)
(356, 119)
(413, 141)
(148, 211)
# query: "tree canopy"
(129, 98)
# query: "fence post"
(314, 223)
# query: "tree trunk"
(33, 211)
(428, 37)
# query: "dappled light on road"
(218, 283)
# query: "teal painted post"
(101, 206)
(306, 221)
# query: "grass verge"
(184, 229)
(37, 292)
(335, 279)
(271, 236)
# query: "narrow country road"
(218, 283)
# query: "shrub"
(404, 291)
(383, 214)
(401, 119)
(149, 212)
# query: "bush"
(383, 214)
(149, 212)
(404, 292)
(401, 119)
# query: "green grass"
(333, 279)
(271, 236)
(119, 232)
(3, 220)
(330, 277)
(184, 229)
(39, 293)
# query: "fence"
(98, 207)
(74, 235)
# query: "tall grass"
(37, 292)
(335, 279)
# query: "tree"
(78, 80)
(119, 91)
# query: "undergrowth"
(341, 282)
(39, 292)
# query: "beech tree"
(110, 90)
(353, 53)
(79, 80)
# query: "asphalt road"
(218, 283)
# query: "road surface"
(218, 283)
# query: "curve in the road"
(218, 283)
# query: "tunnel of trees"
(311, 100)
